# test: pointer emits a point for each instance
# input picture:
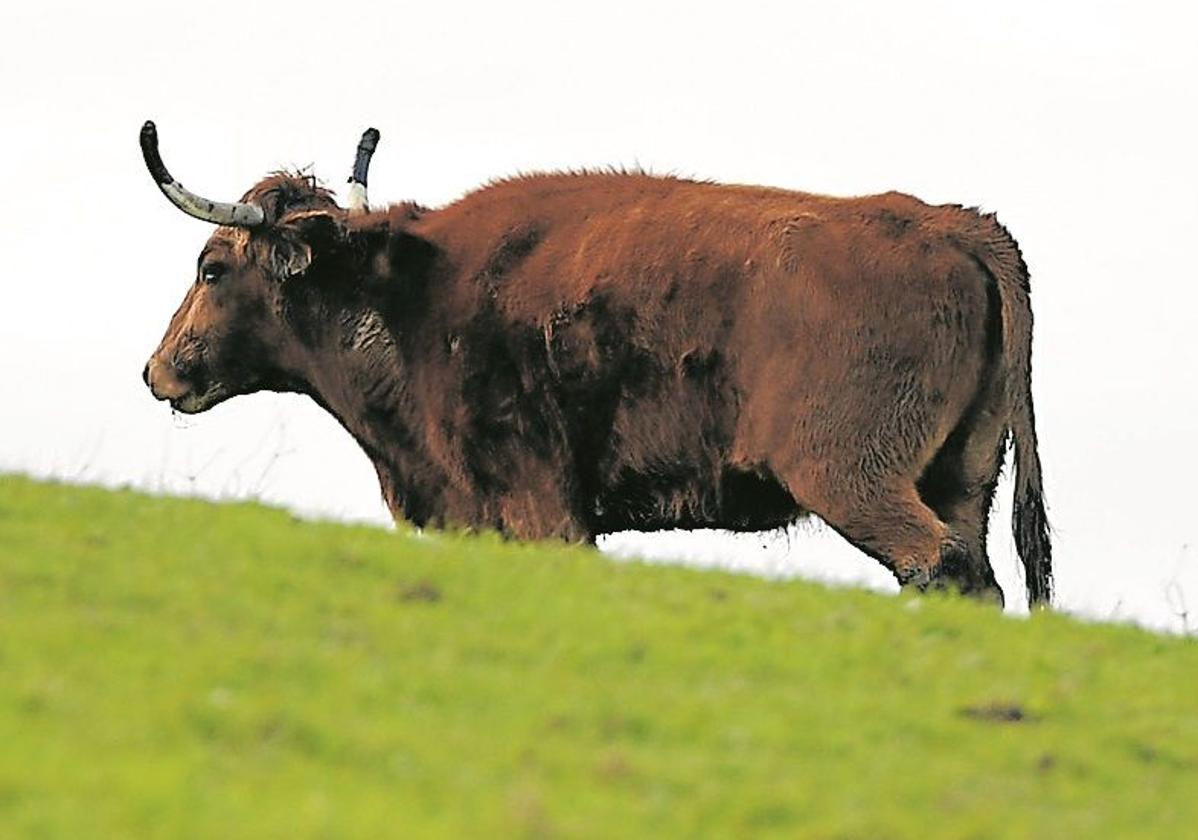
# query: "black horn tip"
(149, 151)
(366, 147)
(149, 135)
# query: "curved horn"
(240, 214)
(357, 179)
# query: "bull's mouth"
(194, 403)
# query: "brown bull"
(568, 355)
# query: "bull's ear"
(303, 238)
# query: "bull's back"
(543, 243)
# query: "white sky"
(1076, 121)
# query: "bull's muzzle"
(164, 381)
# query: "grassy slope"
(178, 668)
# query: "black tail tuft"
(1031, 541)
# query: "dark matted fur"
(566, 355)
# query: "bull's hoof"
(956, 572)
(917, 579)
(988, 594)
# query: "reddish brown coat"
(567, 355)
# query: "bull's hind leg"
(894, 526)
(959, 486)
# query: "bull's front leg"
(539, 500)
(530, 503)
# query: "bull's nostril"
(166, 381)
(145, 374)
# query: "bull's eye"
(212, 272)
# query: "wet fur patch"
(512, 249)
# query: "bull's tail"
(1030, 522)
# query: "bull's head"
(230, 335)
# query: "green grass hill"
(177, 668)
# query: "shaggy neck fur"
(353, 316)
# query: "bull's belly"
(735, 500)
